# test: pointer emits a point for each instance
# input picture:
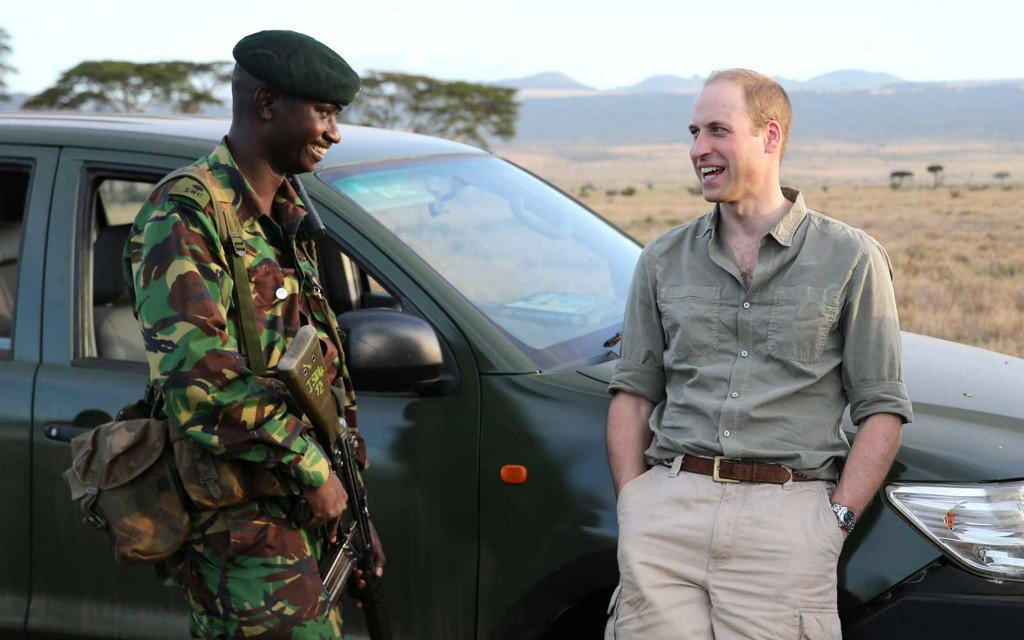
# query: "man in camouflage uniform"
(247, 570)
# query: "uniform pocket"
(266, 279)
(820, 624)
(689, 317)
(800, 321)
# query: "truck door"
(423, 447)
(93, 364)
(26, 177)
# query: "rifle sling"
(231, 238)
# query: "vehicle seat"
(118, 336)
(10, 244)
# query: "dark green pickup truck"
(449, 250)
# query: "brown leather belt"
(724, 469)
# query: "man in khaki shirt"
(747, 333)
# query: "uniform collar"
(783, 231)
(236, 191)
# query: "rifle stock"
(303, 371)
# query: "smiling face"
(734, 160)
(302, 131)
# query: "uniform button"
(726, 433)
(746, 305)
(744, 354)
(281, 293)
(734, 394)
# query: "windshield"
(547, 272)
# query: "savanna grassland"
(957, 249)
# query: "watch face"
(846, 517)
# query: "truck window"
(107, 326)
(14, 183)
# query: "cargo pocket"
(613, 613)
(820, 624)
(800, 321)
(689, 317)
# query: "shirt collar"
(236, 191)
(786, 228)
(783, 231)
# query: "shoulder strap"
(230, 235)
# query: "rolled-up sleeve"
(872, 369)
(640, 368)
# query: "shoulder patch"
(192, 190)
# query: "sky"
(600, 43)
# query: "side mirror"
(391, 351)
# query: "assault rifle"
(302, 369)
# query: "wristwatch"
(847, 518)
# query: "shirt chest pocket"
(267, 281)
(800, 321)
(689, 318)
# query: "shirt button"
(726, 433)
(746, 305)
(744, 354)
(735, 394)
(281, 293)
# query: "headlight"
(980, 526)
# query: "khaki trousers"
(704, 560)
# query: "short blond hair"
(764, 98)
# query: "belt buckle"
(718, 461)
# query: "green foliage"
(133, 87)
(896, 178)
(5, 68)
(464, 111)
(628, 191)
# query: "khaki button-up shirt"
(763, 373)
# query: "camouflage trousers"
(248, 572)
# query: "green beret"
(295, 64)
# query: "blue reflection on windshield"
(549, 273)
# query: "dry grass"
(957, 251)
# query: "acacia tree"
(1001, 176)
(133, 87)
(463, 111)
(896, 178)
(936, 171)
(5, 67)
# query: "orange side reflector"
(513, 474)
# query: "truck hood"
(958, 377)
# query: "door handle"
(63, 432)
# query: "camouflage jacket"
(182, 293)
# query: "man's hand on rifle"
(356, 583)
(327, 503)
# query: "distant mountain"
(666, 84)
(558, 85)
(547, 80)
(936, 111)
(848, 79)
